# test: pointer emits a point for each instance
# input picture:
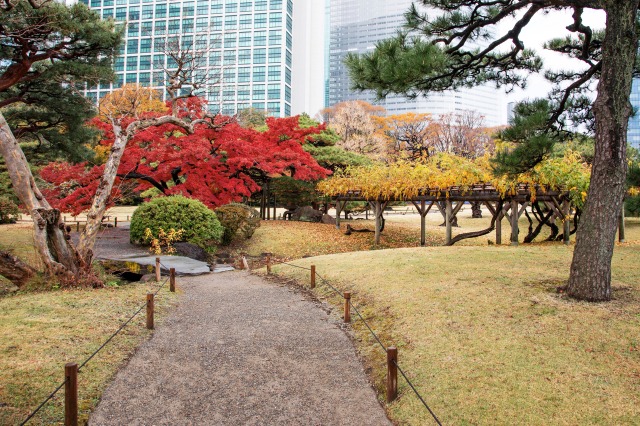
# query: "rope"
(375, 336)
(417, 394)
(367, 325)
(92, 355)
(51, 395)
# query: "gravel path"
(242, 351)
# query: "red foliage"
(215, 166)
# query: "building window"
(275, 38)
(161, 11)
(244, 40)
(145, 62)
(147, 12)
(244, 93)
(245, 6)
(119, 64)
(134, 13)
(229, 57)
(260, 20)
(275, 4)
(259, 74)
(131, 78)
(174, 10)
(275, 20)
(187, 9)
(274, 73)
(258, 105)
(230, 41)
(132, 46)
(244, 56)
(275, 54)
(107, 13)
(121, 13)
(273, 108)
(260, 38)
(202, 24)
(273, 91)
(244, 75)
(261, 4)
(145, 45)
(259, 56)
(174, 26)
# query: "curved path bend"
(239, 350)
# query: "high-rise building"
(633, 133)
(356, 26)
(308, 56)
(242, 48)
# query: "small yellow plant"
(163, 244)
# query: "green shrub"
(237, 220)
(8, 210)
(200, 224)
(632, 206)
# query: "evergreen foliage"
(200, 224)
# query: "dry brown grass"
(486, 337)
(40, 332)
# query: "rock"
(328, 219)
(307, 214)
(191, 251)
(147, 278)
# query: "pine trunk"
(590, 277)
(50, 239)
(101, 198)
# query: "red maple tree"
(215, 166)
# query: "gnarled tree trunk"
(50, 239)
(14, 269)
(99, 203)
(590, 277)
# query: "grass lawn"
(42, 331)
(485, 336)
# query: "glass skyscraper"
(633, 133)
(356, 26)
(243, 48)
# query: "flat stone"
(183, 265)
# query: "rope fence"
(390, 351)
(71, 369)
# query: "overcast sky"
(541, 29)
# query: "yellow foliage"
(131, 100)
(444, 172)
(164, 242)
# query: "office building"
(356, 26)
(243, 48)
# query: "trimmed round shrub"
(200, 224)
(8, 210)
(237, 220)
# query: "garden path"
(239, 350)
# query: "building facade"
(242, 49)
(356, 26)
(633, 133)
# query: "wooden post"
(78, 226)
(621, 225)
(447, 219)
(392, 373)
(268, 264)
(245, 263)
(127, 218)
(150, 311)
(172, 280)
(71, 394)
(115, 222)
(313, 276)
(64, 219)
(338, 211)
(423, 226)
(157, 269)
(514, 223)
(377, 210)
(347, 307)
(566, 222)
(499, 228)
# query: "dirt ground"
(242, 351)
